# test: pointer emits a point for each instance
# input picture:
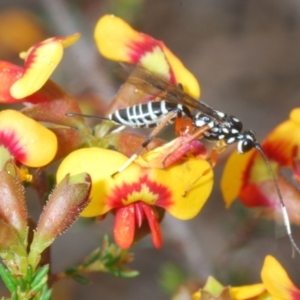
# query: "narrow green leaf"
(46, 293)
(71, 270)
(81, 279)
(28, 277)
(39, 285)
(7, 279)
(14, 296)
(129, 273)
(39, 275)
(22, 284)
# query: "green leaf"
(28, 277)
(8, 279)
(39, 275)
(46, 293)
(81, 279)
(38, 286)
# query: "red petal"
(296, 162)
(139, 213)
(124, 226)
(9, 73)
(153, 224)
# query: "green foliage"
(109, 258)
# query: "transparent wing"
(152, 84)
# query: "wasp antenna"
(85, 116)
(285, 215)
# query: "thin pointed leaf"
(7, 279)
(81, 279)
(39, 275)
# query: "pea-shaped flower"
(136, 194)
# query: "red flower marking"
(296, 162)
(139, 49)
(252, 195)
(10, 141)
(120, 194)
(295, 294)
(275, 150)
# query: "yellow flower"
(116, 40)
(25, 140)
(247, 177)
(138, 193)
(277, 282)
(276, 285)
(40, 62)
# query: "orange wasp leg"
(197, 134)
(219, 148)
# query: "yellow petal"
(38, 69)
(100, 164)
(28, 141)
(191, 183)
(164, 188)
(233, 175)
(118, 41)
(41, 61)
(280, 143)
(295, 116)
(112, 35)
(247, 291)
(184, 76)
(276, 280)
(69, 40)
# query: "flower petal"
(116, 40)
(9, 73)
(100, 164)
(280, 143)
(233, 175)
(247, 291)
(296, 162)
(124, 227)
(153, 224)
(276, 280)
(41, 61)
(163, 188)
(28, 141)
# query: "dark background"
(245, 54)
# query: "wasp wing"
(153, 84)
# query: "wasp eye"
(245, 145)
(247, 142)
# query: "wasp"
(205, 121)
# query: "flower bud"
(12, 202)
(8, 237)
(65, 204)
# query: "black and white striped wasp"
(207, 122)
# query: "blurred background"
(245, 54)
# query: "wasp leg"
(197, 134)
(150, 137)
(193, 184)
(219, 148)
